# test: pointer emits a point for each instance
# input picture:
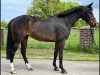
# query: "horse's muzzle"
(93, 23)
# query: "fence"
(85, 38)
(1, 37)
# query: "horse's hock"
(86, 37)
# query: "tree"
(4, 24)
(46, 8)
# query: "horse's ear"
(90, 5)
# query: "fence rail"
(83, 39)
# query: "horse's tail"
(9, 42)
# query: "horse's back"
(19, 20)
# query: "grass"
(48, 54)
(72, 50)
(71, 44)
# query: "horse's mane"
(70, 11)
(35, 18)
(63, 14)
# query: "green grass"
(71, 44)
(72, 50)
(48, 54)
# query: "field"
(72, 50)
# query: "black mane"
(70, 11)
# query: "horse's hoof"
(56, 69)
(63, 72)
(13, 72)
(30, 69)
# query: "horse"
(55, 28)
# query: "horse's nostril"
(93, 23)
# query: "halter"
(91, 20)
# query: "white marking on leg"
(29, 67)
(12, 68)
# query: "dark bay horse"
(53, 29)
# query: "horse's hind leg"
(14, 49)
(23, 52)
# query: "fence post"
(1, 37)
(86, 38)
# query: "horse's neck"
(71, 19)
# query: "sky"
(13, 8)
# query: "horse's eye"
(90, 11)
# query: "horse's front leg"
(55, 57)
(61, 46)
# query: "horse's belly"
(44, 37)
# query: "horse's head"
(88, 16)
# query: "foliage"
(2, 47)
(71, 44)
(46, 8)
(4, 24)
(80, 23)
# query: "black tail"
(9, 42)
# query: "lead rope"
(92, 37)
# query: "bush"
(2, 47)
(89, 49)
(4, 24)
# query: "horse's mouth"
(92, 24)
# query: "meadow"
(71, 44)
(72, 50)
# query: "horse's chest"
(62, 33)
